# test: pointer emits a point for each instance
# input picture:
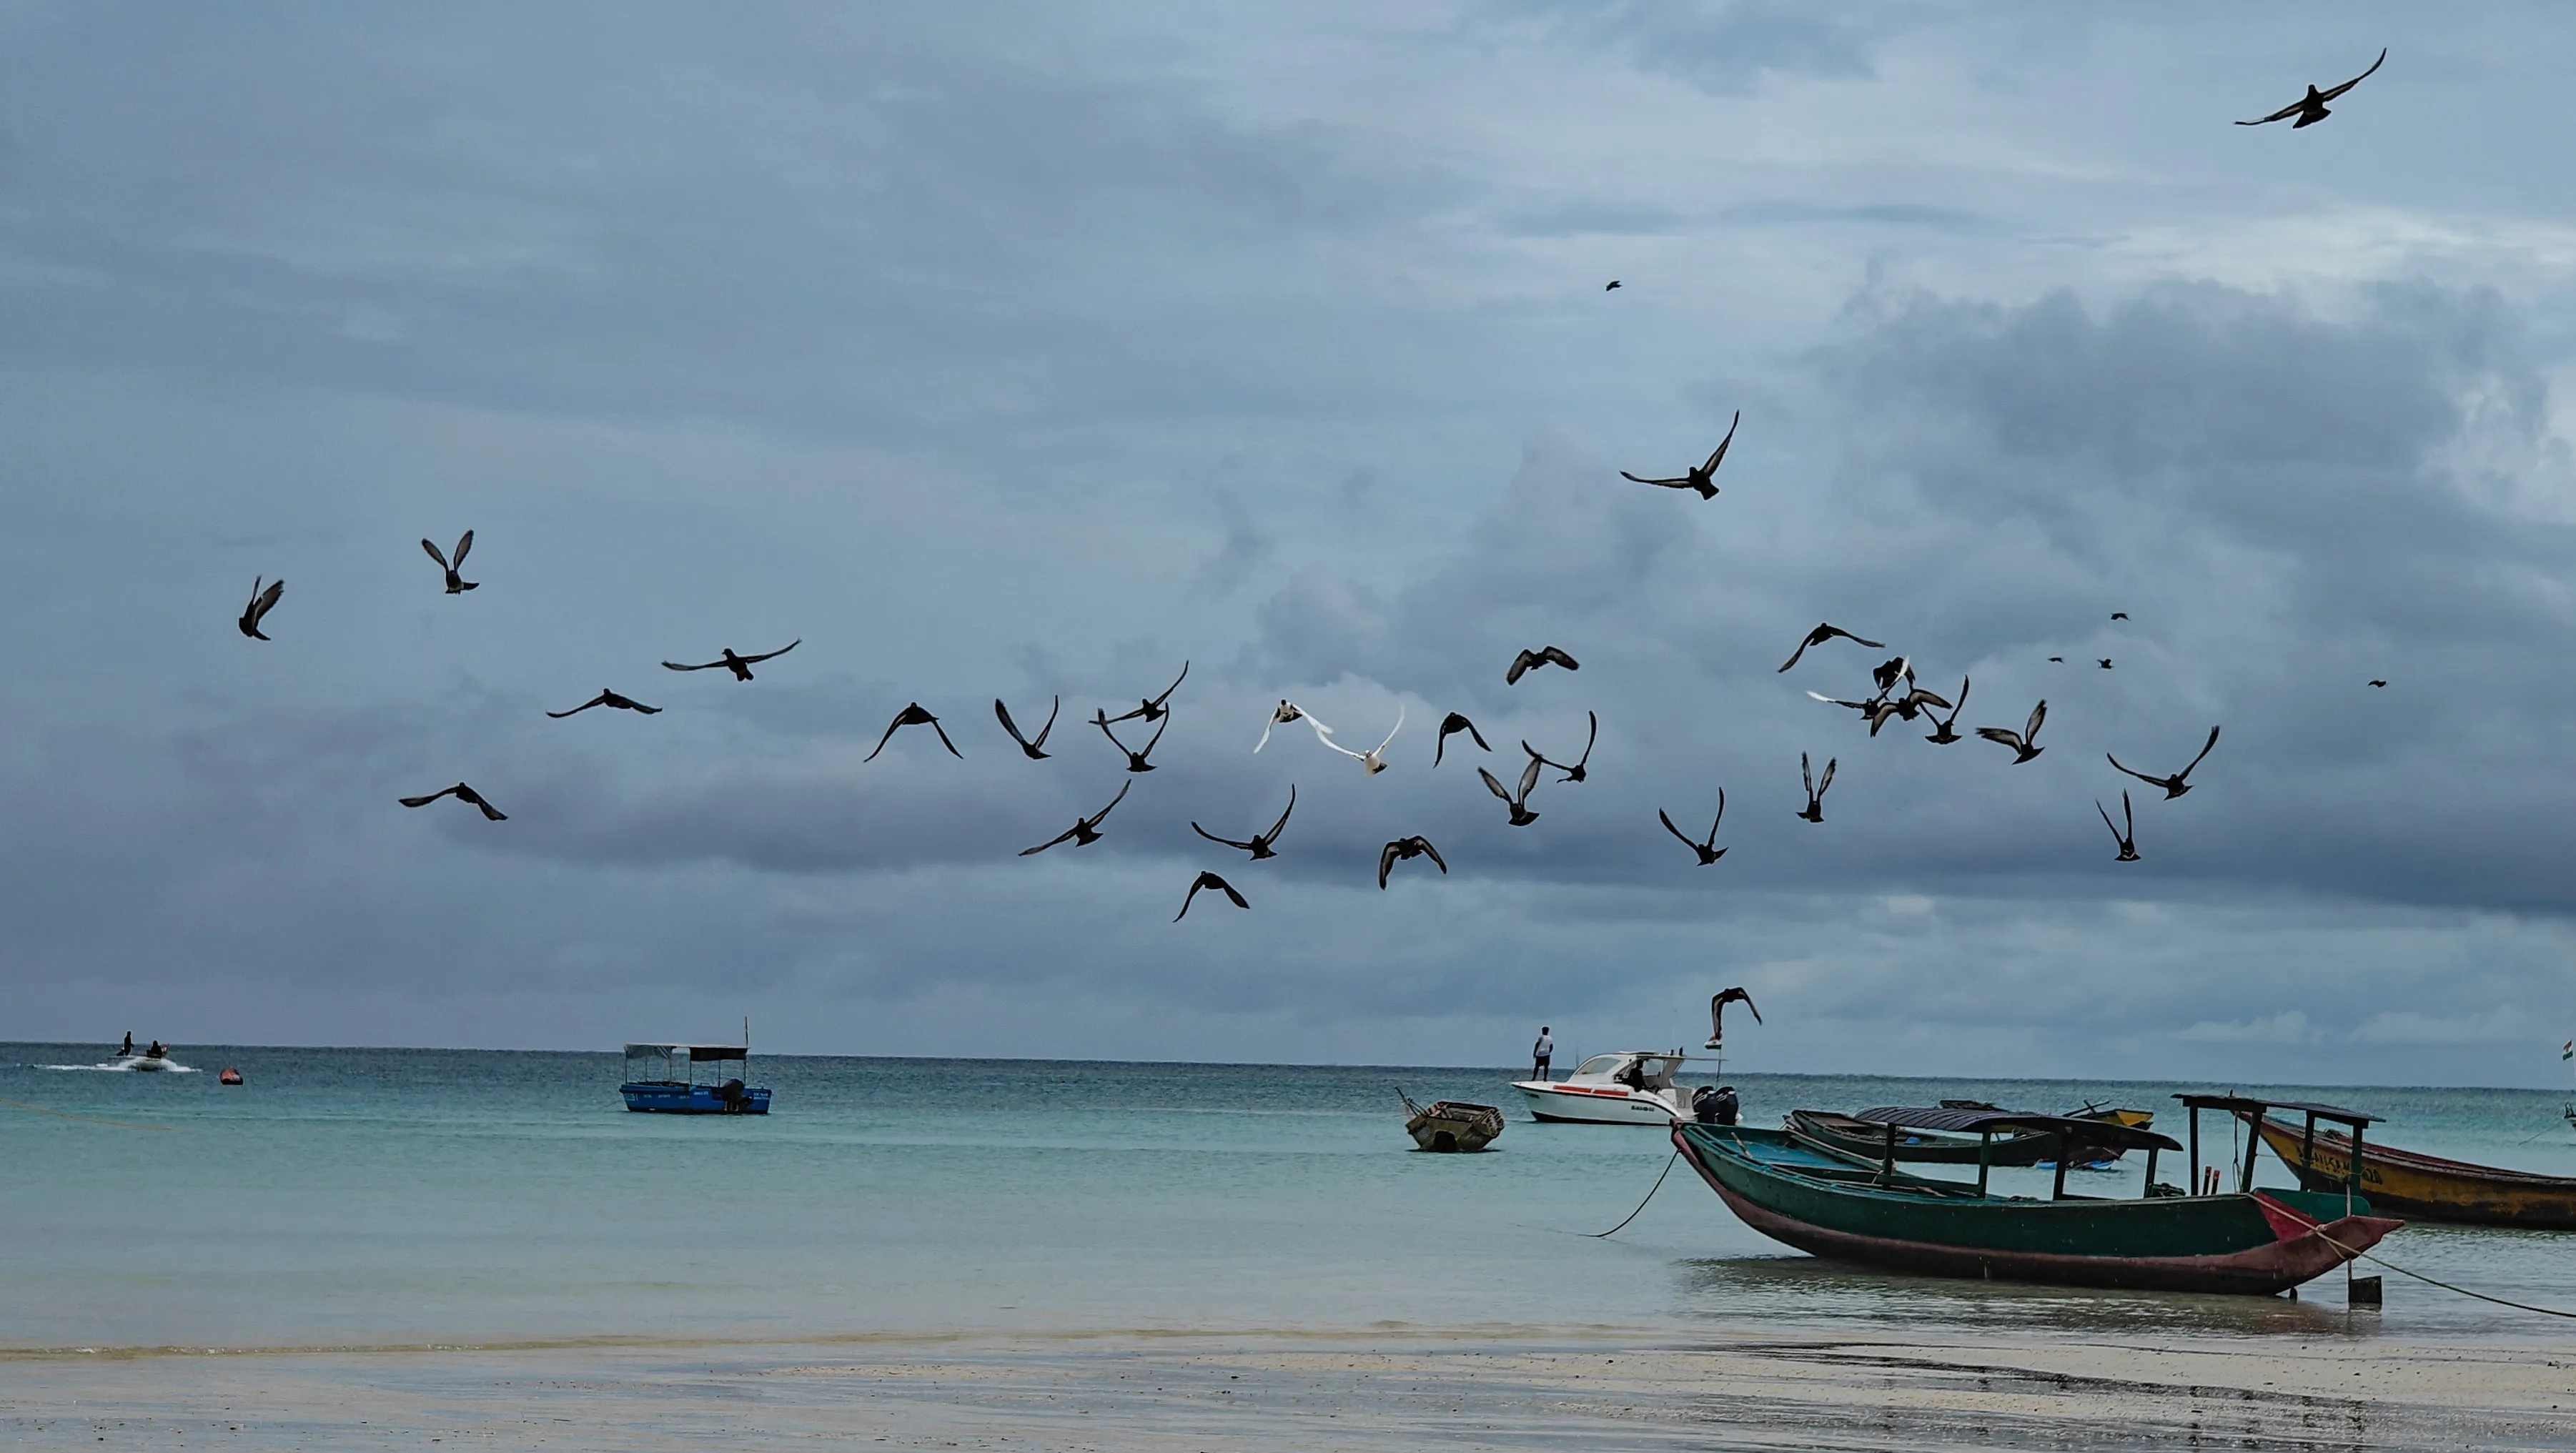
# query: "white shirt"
(1545, 1047)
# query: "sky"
(997, 351)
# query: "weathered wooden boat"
(1866, 1138)
(1849, 1208)
(1447, 1125)
(2426, 1187)
(666, 1093)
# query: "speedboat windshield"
(1600, 1065)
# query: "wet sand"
(1361, 1391)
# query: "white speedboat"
(1634, 1087)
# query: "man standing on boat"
(1541, 1052)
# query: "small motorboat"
(155, 1058)
(1632, 1087)
(653, 1080)
(1447, 1125)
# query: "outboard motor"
(1715, 1105)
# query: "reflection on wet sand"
(1836, 1298)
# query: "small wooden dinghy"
(1446, 1125)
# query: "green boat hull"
(1841, 1207)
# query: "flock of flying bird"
(1897, 697)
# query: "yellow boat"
(2424, 1187)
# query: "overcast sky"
(1032, 351)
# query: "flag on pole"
(2570, 1051)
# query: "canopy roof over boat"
(2255, 1105)
(2104, 1133)
(695, 1052)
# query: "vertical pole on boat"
(2196, 1180)
(2253, 1143)
(2058, 1192)
(1985, 1150)
(1887, 1166)
(2308, 1151)
(2352, 1172)
(2151, 1171)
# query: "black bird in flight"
(1416, 846)
(2060, 660)
(913, 715)
(1614, 286)
(2106, 662)
(1085, 830)
(2119, 615)
(1575, 772)
(1259, 847)
(1450, 726)
(1528, 661)
(1717, 1014)
(1030, 748)
(461, 793)
(261, 603)
(739, 665)
(1815, 790)
(2175, 785)
(1517, 802)
(1152, 708)
(1824, 632)
(464, 543)
(1135, 759)
(2128, 841)
(2380, 682)
(1208, 880)
(1703, 478)
(2024, 742)
(2311, 108)
(609, 698)
(1887, 673)
(1943, 729)
(1709, 852)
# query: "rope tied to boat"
(2318, 1229)
(1641, 1205)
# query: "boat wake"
(131, 1064)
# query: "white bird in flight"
(1374, 760)
(1288, 711)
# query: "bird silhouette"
(2175, 785)
(1575, 772)
(2106, 662)
(1815, 790)
(1887, 673)
(609, 698)
(1944, 728)
(2311, 108)
(2025, 743)
(1703, 478)
(1208, 880)
(1151, 708)
(739, 665)
(1135, 759)
(1527, 661)
(913, 715)
(1708, 850)
(1825, 631)
(1260, 845)
(261, 603)
(1031, 749)
(2119, 615)
(1518, 802)
(1397, 851)
(1085, 830)
(461, 793)
(2128, 840)
(1613, 287)
(1717, 1014)
(1450, 726)
(2379, 683)
(1288, 711)
(464, 543)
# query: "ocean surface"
(378, 1198)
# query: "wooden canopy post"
(1887, 1165)
(2308, 1150)
(2196, 1181)
(2253, 1143)
(2151, 1172)
(1985, 1153)
(2059, 1192)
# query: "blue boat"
(654, 1081)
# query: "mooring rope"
(1641, 1205)
(2319, 1229)
(84, 1119)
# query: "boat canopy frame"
(2253, 1108)
(2070, 1132)
(668, 1051)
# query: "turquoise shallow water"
(369, 1197)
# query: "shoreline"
(1389, 1388)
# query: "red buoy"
(230, 1076)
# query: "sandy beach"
(1387, 1390)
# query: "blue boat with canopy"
(665, 1078)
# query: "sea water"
(358, 1198)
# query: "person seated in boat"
(1630, 1075)
(155, 1052)
(128, 1051)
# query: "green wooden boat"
(1851, 1208)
